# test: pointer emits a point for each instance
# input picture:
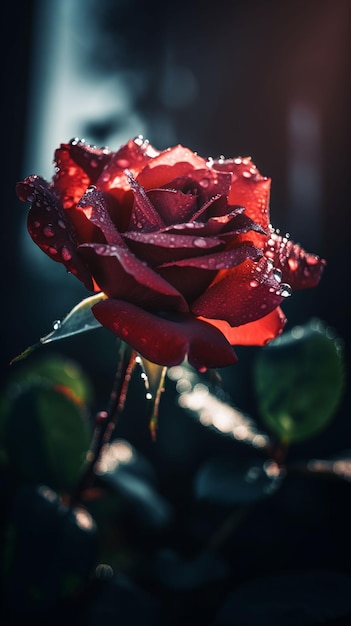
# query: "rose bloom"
(182, 247)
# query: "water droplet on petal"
(200, 242)
(139, 140)
(48, 230)
(123, 163)
(284, 290)
(56, 324)
(76, 141)
(204, 182)
(312, 259)
(254, 283)
(277, 273)
(293, 264)
(66, 254)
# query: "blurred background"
(268, 79)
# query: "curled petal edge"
(166, 339)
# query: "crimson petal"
(77, 166)
(254, 291)
(249, 188)
(144, 215)
(173, 205)
(120, 274)
(50, 227)
(167, 339)
(158, 248)
(95, 206)
(200, 271)
(257, 333)
(299, 268)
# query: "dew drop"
(254, 283)
(56, 324)
(277, 273)
(123, 163)
(30, 198)
(284, 290)
(52, 250)
(200, 242)
(66, 254)
(94, 163)
(36, 224)
(76, 141)
(139, 140)
(204, 182)
(61, 224)
(293, 264)
(148, 396)
(91, 188)
(48, 231)
(312, 259)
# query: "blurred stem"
(105, 421)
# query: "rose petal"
(257, 333)
(78, 166)
(134, 155)
(168, 165)
(158, 248)
(50, 227)
(207, 185)
(299, 268)
(120, 274)
(248, 188)
(96, 207)
(144, 216)
(173, 205)
(192, 276)
(242, 294)
(166, 340)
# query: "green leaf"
(57, 371)
(299, 381)
(45, 435)
(79, 320)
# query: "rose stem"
(105, 421)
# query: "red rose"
(182, 247)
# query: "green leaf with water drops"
(79, 320)
(299, 381)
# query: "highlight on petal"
(167, 339)
(301, 269)
(50, 227)
(78, 165)
(249, 188)
(257, 333)
(169, 164)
